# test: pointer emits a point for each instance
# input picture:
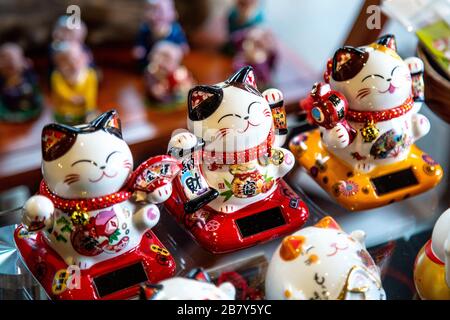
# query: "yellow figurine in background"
(74, 84)
(432, 266)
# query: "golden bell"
(79, 218)
(370, 132)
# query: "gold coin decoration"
(79, 217)
(370, 132)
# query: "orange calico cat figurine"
(367, 111)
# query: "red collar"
(89, 204)
(430, 254)
(265, 148)
(378, 116)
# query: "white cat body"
(237, 132)
(323, 263)
(83, 168)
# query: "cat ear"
(348, 62)
(150, 291)
(292, 247)
(199, 274)
(56, 140)
(389, 41)
(328, 223)
(245, 76)
(203, 101)
(110, 122)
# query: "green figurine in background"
(20, 96)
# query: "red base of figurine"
(117, 278)
(281, 213)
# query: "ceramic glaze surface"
(238, 132)
(196, 286)
(432, 267)
(374, 79)
(89, 162)
(323, 263)
(230, 193)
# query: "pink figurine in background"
(256, 47)
(74, 84)
(167, 80)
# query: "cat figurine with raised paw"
(367, 111)
(432, 265)
(233, 166)
(93, 213)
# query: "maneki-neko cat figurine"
(363, 153)
(87, 233)
(322, 262)
(432, 265)
(230, 193)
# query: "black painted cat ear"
(348, 62)
(199, 274)
(245, 76)
(203, 101)
(389, 41)
(110, 122)
(56, 140)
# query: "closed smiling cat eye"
(93, 162)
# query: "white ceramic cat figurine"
(322, 262)
(84, 208)
(382, 109)
(234, 122)
(195, 286)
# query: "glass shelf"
(395, 233)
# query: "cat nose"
(102, 167)
(389, 80)
(246, 118)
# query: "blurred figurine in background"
(256, 48)
(20, 97)
(62, 32)
(432, 266)
(74, 84)
(244, 14)
(160, 23)
(167, 80)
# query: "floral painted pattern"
(349, 188)
(390, 145)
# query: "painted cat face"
(372, 78)
(86, 161)
(231, 116)
(323, 262)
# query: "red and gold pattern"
(251, 154)
(378, 116)
(72, 205)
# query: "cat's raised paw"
(37, 213)
(337, 137)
